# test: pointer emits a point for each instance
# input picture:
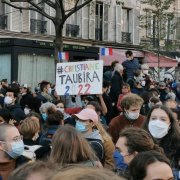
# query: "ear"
(169, 127)
(1, 148)
(93, 124)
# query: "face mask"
(149, 105)
(83, 104)
(44, 116)
(60, 109)
(132, 116)
(23, 93)
(129, 59)
(81, 127)
(8, 100)
(108, 91)
(158, 129)
(119, 160)
(17, 149)
(124, 91)
(143, 83)
(26, 111)
(49, 91)
(145, 71)
(38, 88)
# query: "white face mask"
(158, 129)
(23, 93)
(132, 116)
(143, 83)
(60, 109)
(49, 91)
(145, 71)
(26, 111)
(129, 58)
(8, 100)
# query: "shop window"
(126, 35)
(99, 22)
(5, 67)
(32, 69)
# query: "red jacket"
(119, 123)
(73, 110)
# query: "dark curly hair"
(33, 103)
(54, 117)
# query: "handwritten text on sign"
(79, 78)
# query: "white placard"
(79, 78)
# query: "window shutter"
(137, 29)
(164, 24)
(53, 13)
(177, 35)
(105, 22)
(16, 18)
(112, 24)
(26, 18)
(118, 24)
(47, 10)
(149, 23)
(92, 21)
(85, 22)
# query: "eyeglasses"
(15, 139)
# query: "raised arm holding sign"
(79, 78)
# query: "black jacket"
(132, 83)
(21, 160)
(23, 100)
(163, 94)
(40, 152)
(116, 88)
(138, 91)
(144, 110)
(17, 111)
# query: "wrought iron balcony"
(38, 26)
(126, 37)
(98, 34)
(72, 30)
(3, 22)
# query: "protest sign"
(79, 78)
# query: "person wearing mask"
(45, 94)
(150, 86)
(54, 121)
(125, 90)
(12, 106)
(155, 92)
(43, 109)
(86, 120)
(163, 127)
(32, 104)
(164, 91)
(131, 64)
(131, 105)
(154, 101)
(107, 100)
(139, 88)
(37, 90)
(11, 149)
(74, 151)
(24, 90)
(145, 71)
(150, 165)
(146, 96)
(60, 105)
(171, 96)
(109, 74)
(131, 142)
(4, 85)
(116, 90)
(132, 81)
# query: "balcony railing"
(98, 34)
(72, 30)
(38, 26)
(126, 37)
(3, 22)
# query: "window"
(169, 29)
(99, 21)
(38, 25)
(155, 31)
(3, 17)
(126, 35)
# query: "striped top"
(131, 66)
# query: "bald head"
(4, 128)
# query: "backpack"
(98, 148)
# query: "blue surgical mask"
(83, 104)
(17, 149)
(49, 91)
(108, 91)
(81, 127)
(44, 116)
(149, 106)
(119, 160)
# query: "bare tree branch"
(73, 10)
(29, 8)
(76, 3)
(50, 3)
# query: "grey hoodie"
(94, 135)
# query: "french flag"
(63, 55)
(106, 51)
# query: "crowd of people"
(131, 131)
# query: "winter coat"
(116, 87)
(24, 99)
(163, 94)
(138, 91)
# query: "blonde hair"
(76, 172)
(28, 127)
(105, 136)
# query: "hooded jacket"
(95, 141)
(17, 111)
